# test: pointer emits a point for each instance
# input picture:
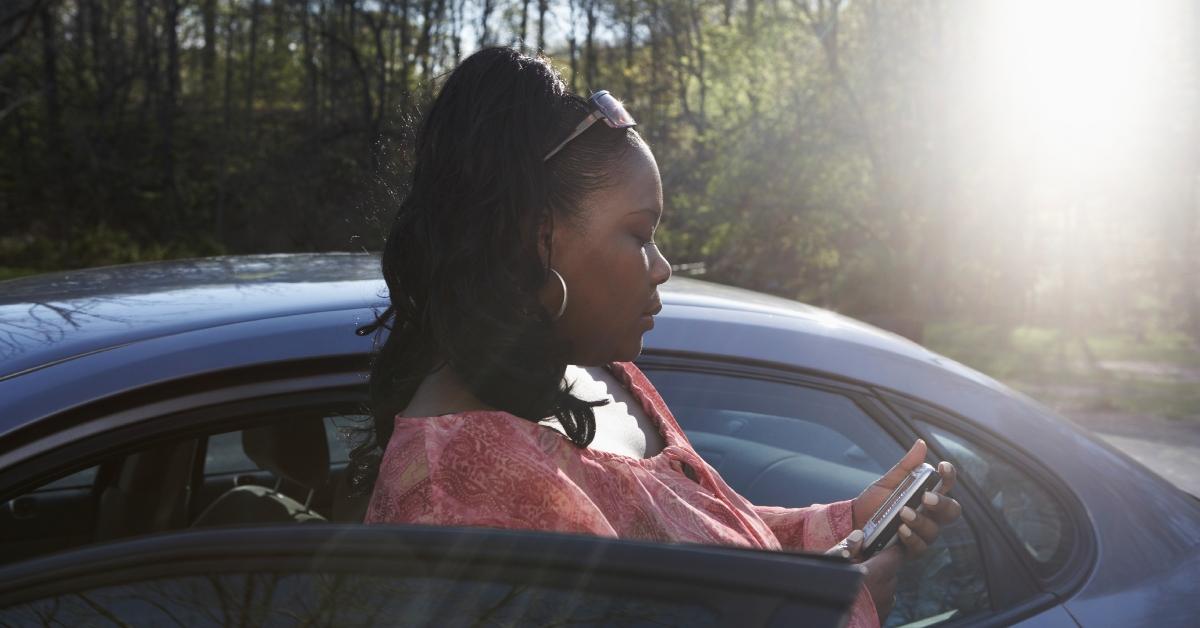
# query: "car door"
(783, 438)
(333, 575)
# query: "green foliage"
(805, 148)
(1155, 374)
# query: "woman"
(522, 271)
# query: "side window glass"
(329, 599)
(791, 445)
(225, 455)
(1036, 518)
(54, 516)
(340, 430)
(77, 480)
(779, 444)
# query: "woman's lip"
(648, 321)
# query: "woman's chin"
(631, 352)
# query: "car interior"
(291, 469)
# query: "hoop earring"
(562, 308)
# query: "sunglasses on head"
(605, 107)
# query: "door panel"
(368, 575)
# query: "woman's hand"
(879, 571)
(918, 531)
(920, 528)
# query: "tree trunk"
(145, 58)
(208, 58)
(50, 87)
(406, 58)
(168, 103)
(571, 45)
(424, 42)
(485, 15)
(310, 89)
(524, 23)
(251, 68)
(629, 32)
(590, 45)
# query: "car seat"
(294, 450)
(145, 492)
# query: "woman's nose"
(660, 268)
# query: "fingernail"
(907, 514)
(943, 467)
(930, 499)
(904, 531)
(855, 536)
(845, 553)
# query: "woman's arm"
(814, 528)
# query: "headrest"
(295, 449)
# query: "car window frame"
(1011, 599)
(1081, 557)
(112, 427)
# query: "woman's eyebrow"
(648, 210)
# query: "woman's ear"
(545, 239)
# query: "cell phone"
(880, 529)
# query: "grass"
(1057, 369)
(12, 272)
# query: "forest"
(864, 156)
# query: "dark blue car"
(146, 409)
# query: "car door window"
(1035, 517)
(225, 455)
(353, 575)
(326, 599)
(77, 480)
(793, 445)
(54, 516)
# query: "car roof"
(54, 317)
(46, 319)
(49, 318)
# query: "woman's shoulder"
(471, 435)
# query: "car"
(148, 410)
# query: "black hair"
(461, 261)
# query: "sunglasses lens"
(613, 110)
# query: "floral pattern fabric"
(494, 469)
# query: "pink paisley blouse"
(494, 469)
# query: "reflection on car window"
(1036, 517)
(325, 599)
(779, 444)
(225, 453)
(791, 445)
(339, 429)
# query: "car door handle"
(23, 507)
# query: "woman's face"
(611, 265)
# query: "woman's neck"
(442, 392)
